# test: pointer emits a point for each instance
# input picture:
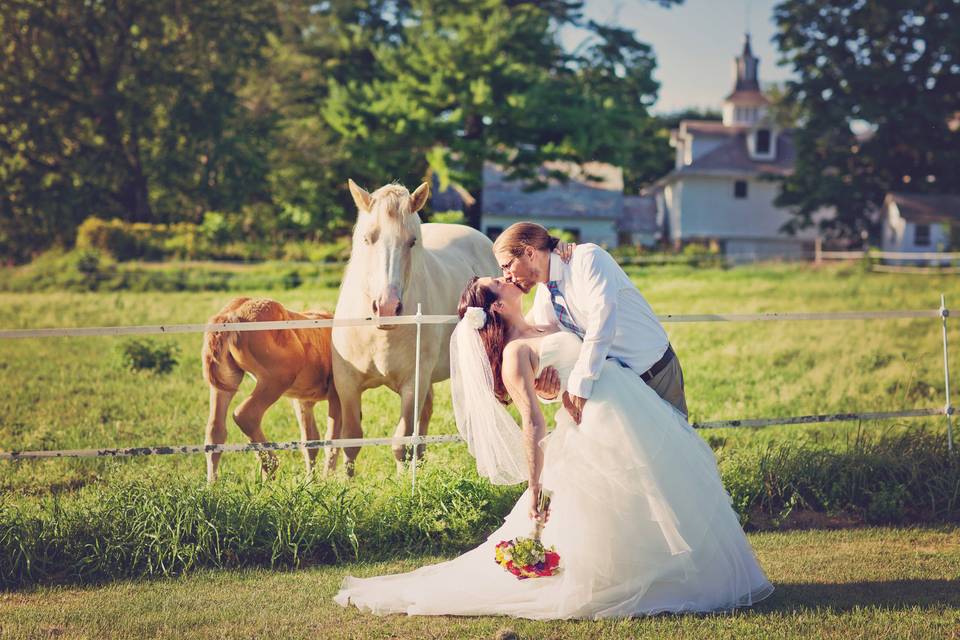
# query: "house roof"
(748, 97)
(926, 208)
(709, 128)
(593, 190)
(732, 156)
(639, 214)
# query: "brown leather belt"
(659, 365)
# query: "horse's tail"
(220, 370)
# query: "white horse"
(395, 263)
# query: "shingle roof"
(594, 190)
(639, 214)
(748, 97)
(926, 208)
(733, 156)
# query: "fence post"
(948, 408)
(416, 405)
(818, 250)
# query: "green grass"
(858, 583)
(76, 393)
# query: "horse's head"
(386, 243)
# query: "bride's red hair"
(493, 334)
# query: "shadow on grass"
(891, 594)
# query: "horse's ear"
(360, 197)
(419, 197)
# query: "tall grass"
(164, 527)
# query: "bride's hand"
(548, 384)
(535, 513)
(565, 250)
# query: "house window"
(763, 141)
(493, 232)
(573, 232)
(921, 235)
(740, 189)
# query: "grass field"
(858, 583)
(74, 393)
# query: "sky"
(695, 44)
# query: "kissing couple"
(638, 512)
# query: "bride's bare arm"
(518, 377)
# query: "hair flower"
(476, 317)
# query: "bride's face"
(509, 295)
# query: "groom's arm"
(593, 271)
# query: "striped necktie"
(563, 314)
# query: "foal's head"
(386, 241)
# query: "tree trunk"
(473, 136)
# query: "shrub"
(141, 354)
(448, 217)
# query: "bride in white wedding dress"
(638, 515)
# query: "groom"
(592, 297)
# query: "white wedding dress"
(639, 517)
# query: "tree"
(879, 83)
(487, 80)
(124, 109)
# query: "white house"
(919, 223)
(720, 189)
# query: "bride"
(638, 514)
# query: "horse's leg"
(334, 425)
(426, 412)
(217, 427)
(249, 415)
(351, 422)
(405, 425)
(308, 429)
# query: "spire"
(746, 66)
(746, 103)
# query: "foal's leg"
(308, 429)
(249, 415)
(217, 427)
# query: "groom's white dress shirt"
(602, 301)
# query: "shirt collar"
(556, 268)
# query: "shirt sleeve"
(598, 291)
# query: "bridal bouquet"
(527, 557)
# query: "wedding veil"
(491, 434)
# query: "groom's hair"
(524, 234)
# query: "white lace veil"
(491, 433)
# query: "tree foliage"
(124, 109)
(163, 110)
(878, 89)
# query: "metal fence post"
(416, 405)
(948, 408)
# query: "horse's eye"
(367, 240)
(413, 243)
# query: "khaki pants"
(669, 385)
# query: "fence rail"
(419, 319)
(157, 329)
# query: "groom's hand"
(574, 406)
(547, 385)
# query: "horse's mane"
(395, 200)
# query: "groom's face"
(520, 270)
